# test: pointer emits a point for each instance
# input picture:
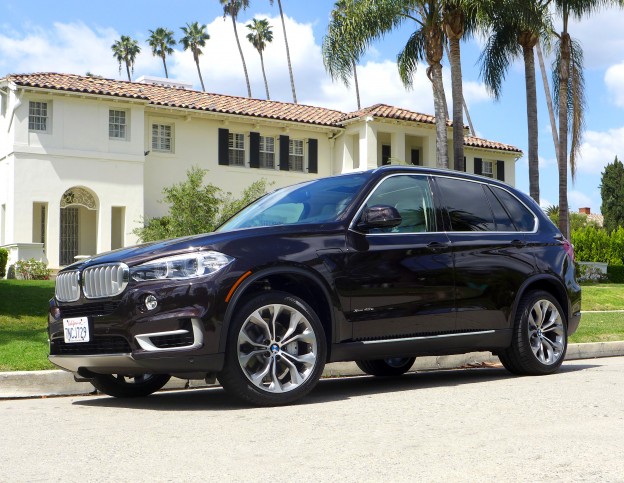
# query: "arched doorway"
(78, 234)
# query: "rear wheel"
(118, 385)
(276, 350)
(540, 337)
(392, 366)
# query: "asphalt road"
(460, 425)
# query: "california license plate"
(76, 329)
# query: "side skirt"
(447, 344)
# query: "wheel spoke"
(276, 311)
(243, 338)
(307, 359)
(276, 385)
(257, 319)
(295, 318)
(306, 336)
(295, 377)
(261, 374)
(245, 358)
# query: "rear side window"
(466, 204)
(501, 217)
(522, 217)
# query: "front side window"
(411, 196)
(267, 152)
(117, 127)
(236, 149)
(467, 206)
(38, 116)
(162, 137)
(295, 155)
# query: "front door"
(69, 235)
(400, 280)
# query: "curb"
(29, 384)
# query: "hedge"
(4, 256)
(615, 273)
(596, 245)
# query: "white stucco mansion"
(83, 159)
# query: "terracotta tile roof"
(204, 101)
(484, 143)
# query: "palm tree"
(195, 37)
(569, 93)
(232, 8)
(516, 27)
(125, 51)
(370, 20)
(292, 79)
(161, 41)
(334, 47)
(260, 35)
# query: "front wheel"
(540, 337)
(276, 350)
(118, 385)
(392, 366)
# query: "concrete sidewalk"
(60, 383)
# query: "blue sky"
(71, 36)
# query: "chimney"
(585, 211)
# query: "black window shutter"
(313, 156)
(465, 169)
(478, 165)
(284, 144)
(224, 147)
(416, 157)
(254, 150)
(386, 152)
(500, 170)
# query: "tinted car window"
(501, 217)
(520, 214)
(467, 206)
(411, 196)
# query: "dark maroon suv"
(376, 267)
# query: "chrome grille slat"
(67, 288)
(105, 280)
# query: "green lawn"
(24, 307)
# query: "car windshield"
(318, 201)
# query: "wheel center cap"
(539, 333)
(275, 348)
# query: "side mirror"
(379, 216)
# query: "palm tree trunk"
(201, 79)
(240, 50)
(165, 66)
(549, 103)
(532, 128)
(292, 79)
(466, 112)
(357, 86)
(562, 161)
(128, 71)
(439, 101)
(266, 84)
(458, 118)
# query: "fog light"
(150, 302)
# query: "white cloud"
(601, 37)
(599, 149)
(614, 79)
(545, 162)
(577, 199)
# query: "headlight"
(189, 265)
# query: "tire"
(540, 336)
(129, 386)
(392, 366)
(276, 350)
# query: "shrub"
(596, 245)
(615, 273)
(4, 256)
(32, 270)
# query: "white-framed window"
(487, 169)
(236, 149)
(117, 124)
(295, 155)
(267, 152)
(38, 116)
(162, 137)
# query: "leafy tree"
(577, 220)
(161, 41)
(260, 34)
(232, 8)
(194, 39)
(290, 71)
(516, 27)
(612, 194)
(195, 207)
(369, 20)
(125, 51)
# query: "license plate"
(76, 329)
